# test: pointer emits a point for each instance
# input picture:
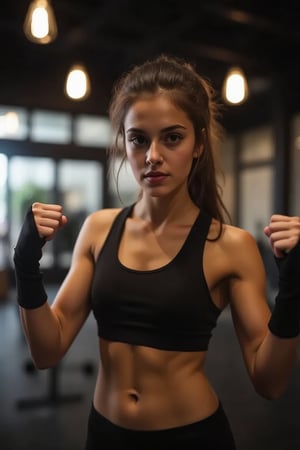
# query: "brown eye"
(138, 140)
(173, 138)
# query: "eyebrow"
(164, 130)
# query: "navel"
(134, 396)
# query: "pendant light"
(40, 23)
(78, 85)
(235, 87)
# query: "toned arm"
(269, 360)
(51, 329)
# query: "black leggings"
(212, 433)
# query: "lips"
(155, 177)
(154, 174)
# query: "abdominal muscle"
(143, 388)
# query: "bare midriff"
(143, 388)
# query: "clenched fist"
(48, 219)
(283, 233)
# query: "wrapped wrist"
(31, 293)
(285, 318)
(28, 251)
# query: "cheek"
(184, 162)
(136, 161)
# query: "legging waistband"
(211, 433)
(108, 426)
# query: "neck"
(165, 210)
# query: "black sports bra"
(167, 308)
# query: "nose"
(153, 155)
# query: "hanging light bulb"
(40, 24)
(78, 86)
(235, 87)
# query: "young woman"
(158, 273)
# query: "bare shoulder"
(236, 246)
(102, 217)
(235, 237)
(96, 228)
(231, 235)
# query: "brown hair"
(194, 95)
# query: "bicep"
(72, 302)
(247, 291)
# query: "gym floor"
(48, 409)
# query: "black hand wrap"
(28, 252)
(285, 318)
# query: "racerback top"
(168, 308)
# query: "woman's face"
(160, 144)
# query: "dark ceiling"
(109, 36)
